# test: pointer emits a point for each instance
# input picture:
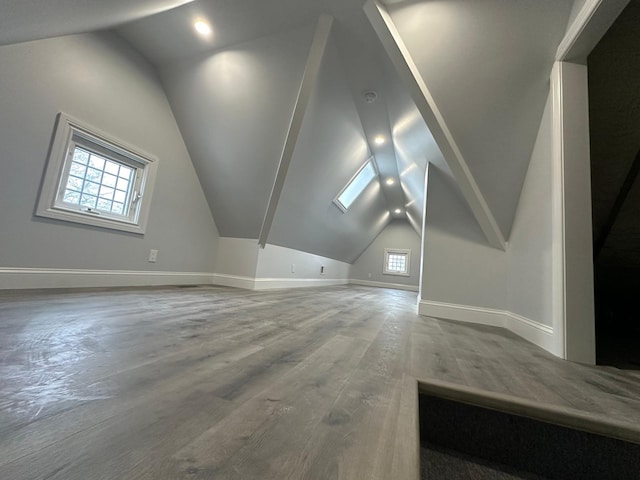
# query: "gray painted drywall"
(99, 79)
(278, 262)
(331, 148)
(458, 268)
(242, 257)
(398, 234)
(529, 256)
(234, 107)
(237, 256)
(487, 65)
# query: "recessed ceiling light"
(379, 140)
(390, 181)
(202, 27)
(398, 211)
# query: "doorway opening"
(614, 129)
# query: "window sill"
(95, 221)
(397, 274)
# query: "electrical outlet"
(153, 256)
(369, 275)
(293, 268)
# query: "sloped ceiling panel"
(168, 37)
(330, 149)
(487, 64)
(234, 106)
(24, 20)
(364, 60)
(414, 147)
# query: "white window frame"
(397, 251)
(336, 200)
(70, 133)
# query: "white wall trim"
(30, 278)
(236, 281)
(589, 26)
(576, 29)
(462, 313)
(535, 332)
(396, 286)
(558, 281)
(280, 283)
(572, 283)
(250, 283)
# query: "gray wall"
(458, 266)
(276, 262)
(237, 256)
(99, 79)
(398, 234)
(530, 245)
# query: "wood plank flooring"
(219, 383)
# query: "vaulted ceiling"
(486, 64)
(233, 96)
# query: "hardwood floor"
(208, 382)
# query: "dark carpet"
(457, 433)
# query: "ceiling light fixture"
(390, 181)
(202, 27)
(398, 211)
(370, 96)
(378, 140)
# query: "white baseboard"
(396, 286)
(280, 283)
(30, 278)
(535, 332)
(248, 283)
(462, 313)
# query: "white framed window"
(396, 261)
(94, 179)
(363, 177)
